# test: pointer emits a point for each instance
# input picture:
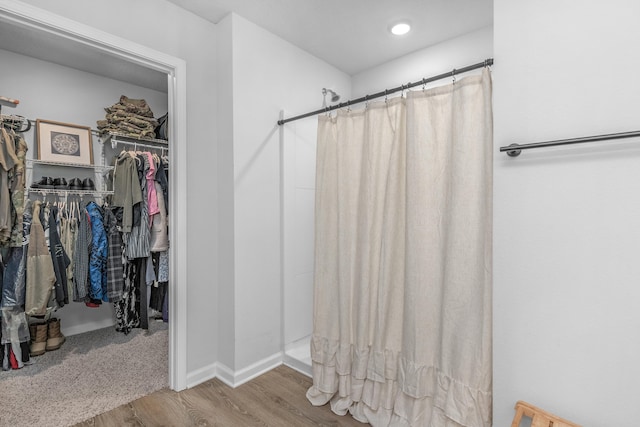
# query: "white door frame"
(32, 18)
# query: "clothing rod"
(514, 150)
(485, 63)
(137, 144)
(11, 101)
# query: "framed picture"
(64, 143)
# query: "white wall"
(269, 74)
(458, 52)
(226, 244)
(299, 140)
(167, 28)
(567, 220)
(50, 92)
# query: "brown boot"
(55, 337)
(38, 338)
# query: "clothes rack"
(160, 144)
(486, 63)
(17, 123)
(514, 150)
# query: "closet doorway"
(44, 36)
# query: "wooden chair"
(539, 417)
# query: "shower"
(334, 96)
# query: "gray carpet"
(90, 374)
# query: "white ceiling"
(353, 35)
(67, 52)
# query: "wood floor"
(276, 399)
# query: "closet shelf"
(74, 165)
(116, 138)
(61, 192)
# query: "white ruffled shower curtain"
(403, 267)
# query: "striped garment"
(138, 241)
(81, 258)
(115, 265)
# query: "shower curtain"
(402, 282)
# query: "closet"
(67, 95)
(65, 202)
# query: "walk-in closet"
(87, 159)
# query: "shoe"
(60, 183)
(88, 184)
(93, 303)
(54, 337)
(45, 182)
(38, 333)
(75, 184)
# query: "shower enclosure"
(298, 162)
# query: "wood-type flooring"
(274, 399)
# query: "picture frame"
(64, 143)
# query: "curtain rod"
(514, 150)
(485, 63)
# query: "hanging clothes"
(163, 180)
(59, 258)
(115, 265)
(126, 188)
(68, 235)
(81, 258)
(98, 254)
(160, 282)
(128, 308)
(14, 328)
(40, 274)
(17, 189)
(150, 174)
(137, 242)
(159, 240)
(14, 338)
(8, 160)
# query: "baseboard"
(235, 378)
(296, 364)
(229, 376)
(257, 369)
(87, 327)
(225, 374)
(201, 375)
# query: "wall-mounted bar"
(514, 150)
(486, 63)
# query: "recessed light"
(400, 28)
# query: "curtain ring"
(424, 83)
(453, 74)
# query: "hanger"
(15, 123)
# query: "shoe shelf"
(101, 169)
(99, 172)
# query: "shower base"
(297, 355)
